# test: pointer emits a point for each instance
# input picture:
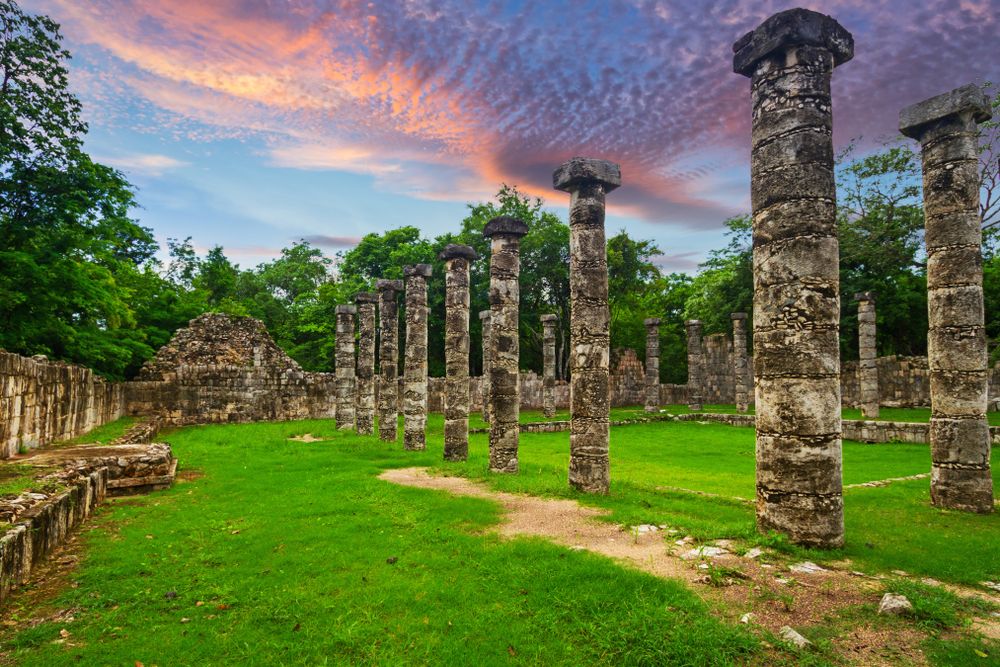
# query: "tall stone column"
(867, 368)
(366, 363)
(549, 364)
(388, 358)
(415, 357)
(790, 59)
(588, 181)
(457, 259)
(652, 364)
(956, 341)
(345, 366)
(696, 365)
(484, 318)
(505, 384)
(740, 370)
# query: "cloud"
(325, 241)
(442, 98)
(683, 262)
(148, 164)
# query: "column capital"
(651, 321)
(505, 225)
(365, 297)
(421, 270)
(484, 314)
(549, 319)
(788, 29)
(456, 251)
(385, 285)
(865, 297)
(737, 316)
(692, 323)
(345, 309)
(967, 99)
(580, 171)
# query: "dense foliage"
(80, 281)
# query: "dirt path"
(774, 594)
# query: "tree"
(989, 164)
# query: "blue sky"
(253, 123)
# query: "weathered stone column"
(457, 259)
(588, 181)
(867, 368)
(388, 358)
(366, 363)
(484, 318)
(652, 364)
(790, 59)
(956, 341)
(345, 366)
(549, 364)
(696, 365)
(740, 369)
(415, 357)
(505, 383)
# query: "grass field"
(274, 552)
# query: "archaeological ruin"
(388, 358)
(696, 363)
(365, 373)
(652, 325)
(588, 181)
(867, 366)
(790, 59)
(945, 126)
(415, 357)
(549, 364)
(457, 259)
(743, 383)
(346, 378)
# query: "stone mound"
(218, 339)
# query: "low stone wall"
(42, 522)
(43, 402)
(216, 394)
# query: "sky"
(252, 124)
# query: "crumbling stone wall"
(222, 368)
(43, 401)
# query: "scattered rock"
(185, 620)
(993, 585)
(725, 544)
(646, 528)
(806, 567)
(792, 637)
(684, 540)
(783, 581)
(893, 604)
(170, 595)
(392, 560)
(704, 552)
(927, 581)
(901, 573)
(756, 552)
(746, 618)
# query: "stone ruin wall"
(228, 369)
(43, 402)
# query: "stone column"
(549, 364)
(457, 259)
(484, 318)
(652, 364)
(867, 369)
(956, 341)
(696, 365)
(740, 368)
(588, 181)
(388, 358)
(345, 366)
(790, 59)
(366, 363)
(415, 357)
(505, 384)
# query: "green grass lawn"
(300, 555)
(102, 434)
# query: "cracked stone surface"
(504, 385)
(588, 181)
(867, 366)
(549, 364)
(790, 59)
(415, 358)
(484, 318)
(946, 127)
(457, 260)
(345, 366)
(652, 364)
(740, 367)
(365, 413)
(696, 363)
(388, 358)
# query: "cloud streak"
(443, 100)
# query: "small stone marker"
(893, 604)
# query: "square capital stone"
(384, 284)
(788, 29)
(365, 297)
(545, 319)
(865, 296)
(421, 270)
(692, 323)
(651, 321)
(969, 98)
(505, 225)
(484, 314)
(344, 309)
(580, 171)
(738, 316)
